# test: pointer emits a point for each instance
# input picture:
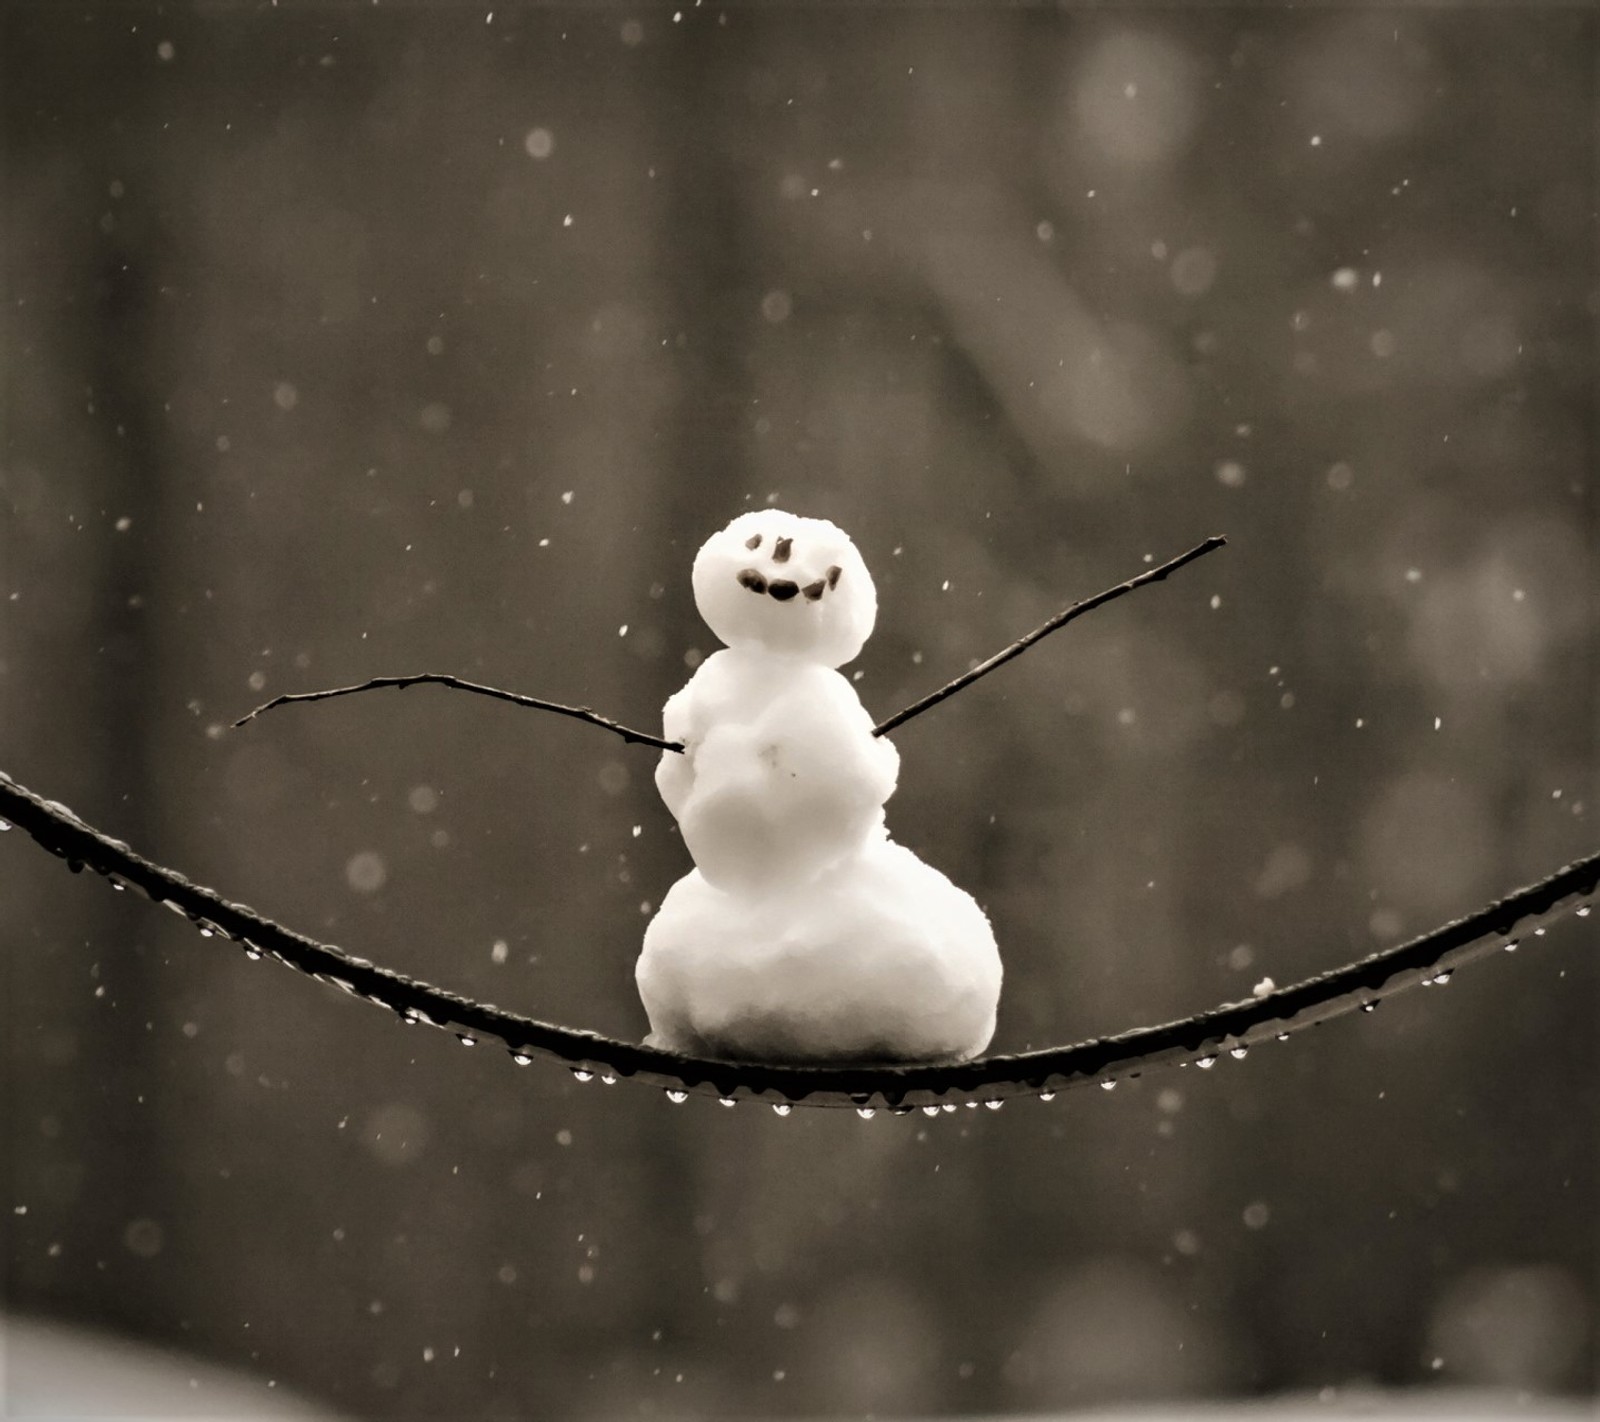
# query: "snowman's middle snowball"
(780, 776)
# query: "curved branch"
(1202, 1039)
(1060, 620)
(580, 713)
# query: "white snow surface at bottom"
(1412, 1405)
(55, 1372)
(878, 959)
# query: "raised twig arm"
(580, 713)
(1060, 620)
(1231, 1028)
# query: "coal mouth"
(785, 589)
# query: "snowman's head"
(793, 585)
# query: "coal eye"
(753, 542)
(780, 550)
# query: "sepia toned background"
(347, 340)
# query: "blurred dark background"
(343, 340)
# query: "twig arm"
(1060, 620)
(1231, 1028)
(593, 718)
(580, 713)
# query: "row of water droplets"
(413, 1016)
(678, 1095)
(410, 1016)
(208, 928)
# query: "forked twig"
(1231, 1028)
(1060, 620)
(580, 713)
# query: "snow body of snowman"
(804, 934)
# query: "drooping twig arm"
(580, 713)
(1231, 1028)
(1060, 620)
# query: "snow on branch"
(1230, 1029)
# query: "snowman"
(803, 934)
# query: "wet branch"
(580, 713)
(1230, 1029)
(1060, 620)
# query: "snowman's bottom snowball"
(879, 959)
